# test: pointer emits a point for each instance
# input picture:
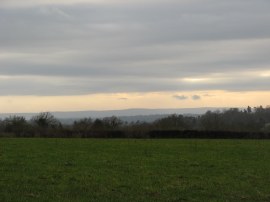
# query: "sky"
(70, 55)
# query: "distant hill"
(129, 115)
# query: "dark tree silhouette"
(45, 120)
(17, 125)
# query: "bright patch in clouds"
(198, 80)
(265, 74)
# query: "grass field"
(134, 170)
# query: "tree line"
(230, 123)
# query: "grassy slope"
(134, 170)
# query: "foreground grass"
(134, 170)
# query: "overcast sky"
(184, 50)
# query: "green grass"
(134, 170)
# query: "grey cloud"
(77, 86)
(133, 46)
(172, 62)
(208, 95)
(196, 97)
(180, 97)
(148, 24)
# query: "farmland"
(134, 170)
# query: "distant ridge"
(140, 112)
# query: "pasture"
(134, 170)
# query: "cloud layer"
(84, 47)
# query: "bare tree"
(45, 120)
